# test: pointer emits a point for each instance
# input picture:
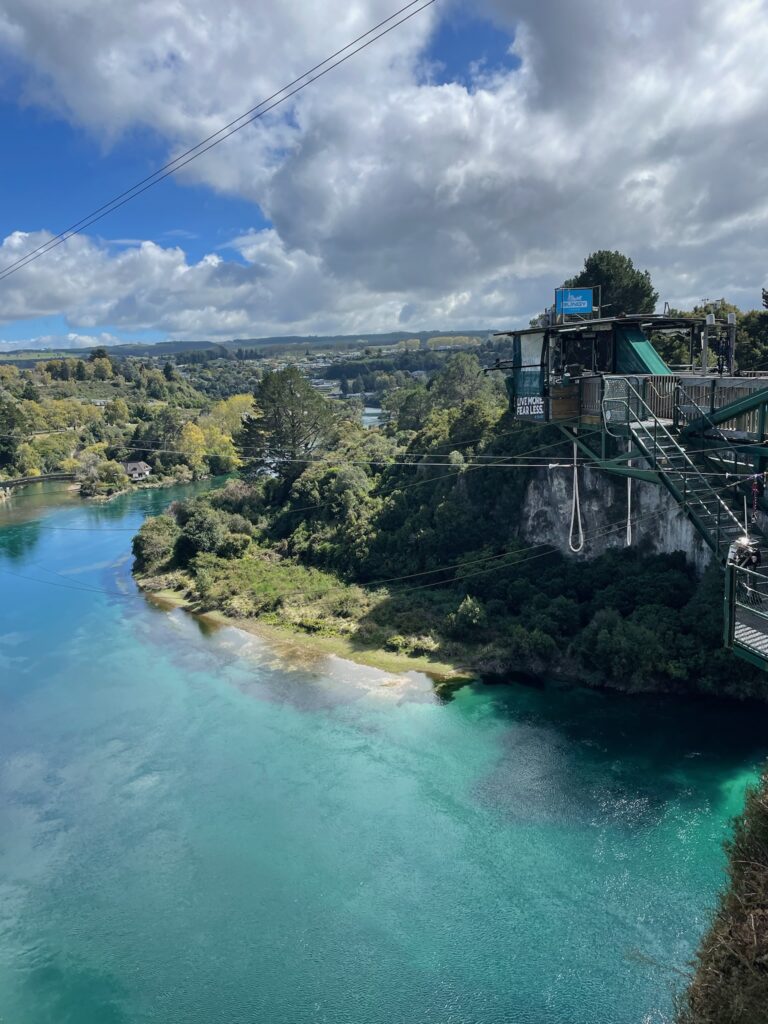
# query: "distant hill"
(349, 340)
(272, 345)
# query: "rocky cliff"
(658, 524)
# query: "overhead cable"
(251, 115)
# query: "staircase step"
(751, 638)
(711, 514)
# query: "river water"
(197, 828)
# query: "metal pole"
(731, 342)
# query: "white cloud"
(397, 201)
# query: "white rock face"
(658, 527)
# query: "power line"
(65, 586)
(254, 114)
(307, 508)
(376, 583)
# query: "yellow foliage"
(192, 444)
(228, 414)
(218, 443)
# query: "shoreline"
(142, 485)
(445, 677)
(294, 646)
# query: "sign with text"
(530, 407)
(574, 301)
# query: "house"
(136, 470)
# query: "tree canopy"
(625, 289)
(289, 422)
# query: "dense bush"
(432, 532)
(153, 545)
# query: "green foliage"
(468, 617)
(234, 545)
(461, 380)
(102, 477)
(259, 583)
(290, 422)
(408, 407)
(13, 428)
(730, 984)
(117, 411)
(752, 340)
(154, 544)
(204, 531)
(624, 288)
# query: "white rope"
(576, 509)
(629, 506)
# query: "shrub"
(398, 643)
(234, 545)
(468, 617)
(204, 531)
(153, 544)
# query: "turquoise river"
(196, 827)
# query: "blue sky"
(61, 170)
(451, 176)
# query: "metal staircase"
(678, 471)
(628, 414)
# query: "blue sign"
(571, 301)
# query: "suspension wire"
(201, 148)
(376, 583)
(73, 228)
(418, 483)
(128, 446)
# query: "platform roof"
(658, 322)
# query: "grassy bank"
(444, 629)
(282, 631)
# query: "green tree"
(290, 421)
(13, 428)
(153, 544)
(203, 531)
(625, 289)
(192, 447)
(408, 407)
(461, 380)
(117, 411)
(112, 477)
(102, 369)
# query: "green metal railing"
(746, 613)
(626, 408)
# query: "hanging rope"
(629, 506)
(576, 510)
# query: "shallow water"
(194, 828)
